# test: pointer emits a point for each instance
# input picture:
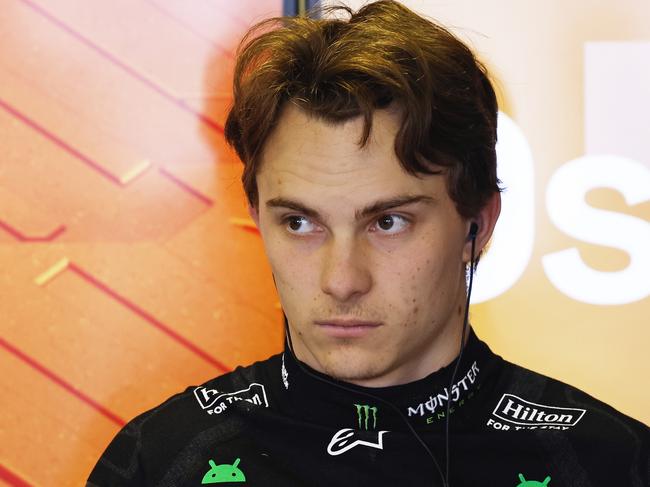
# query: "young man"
(370, 169)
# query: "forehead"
(315, 158)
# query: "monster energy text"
(440, 399)
(364, 413)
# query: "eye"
(390, 224)
(299, 225)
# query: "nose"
(345, 274)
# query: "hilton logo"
(523, 414)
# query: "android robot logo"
(221, 474)
(532, 483)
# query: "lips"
(347, 328)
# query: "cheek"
(280, 266)
(276, 251)
(406, 283)
(421, 279)
(295, 276)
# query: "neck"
(423, 401)
(431, 355)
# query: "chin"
(353, 369)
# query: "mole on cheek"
(413, 314)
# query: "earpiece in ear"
(473, 230)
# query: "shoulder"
(533, 401)
(204, 404)
(215, 411)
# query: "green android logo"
(532, 483)
(220, 474)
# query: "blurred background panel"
(129, 269)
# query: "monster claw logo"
(364, 412)
(532, 483)
(347, 438)
(221, 474)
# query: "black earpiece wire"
(473, 232)
(443, 476)
(366, 394)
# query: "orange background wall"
(127, 272)
(129, 268)
(574, 79)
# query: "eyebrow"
(376, 207)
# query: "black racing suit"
(274, 424)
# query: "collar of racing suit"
(318, 398)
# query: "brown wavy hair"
(349, 64)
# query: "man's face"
(369, 261)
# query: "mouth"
(347, 328)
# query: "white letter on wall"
(512, 242)
(565, 202)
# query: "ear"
(486, 219)
(252, 211)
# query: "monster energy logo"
(364, 412)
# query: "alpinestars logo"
(215, 402)
(517, 413)
(347, 438)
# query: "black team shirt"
(272, 424)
